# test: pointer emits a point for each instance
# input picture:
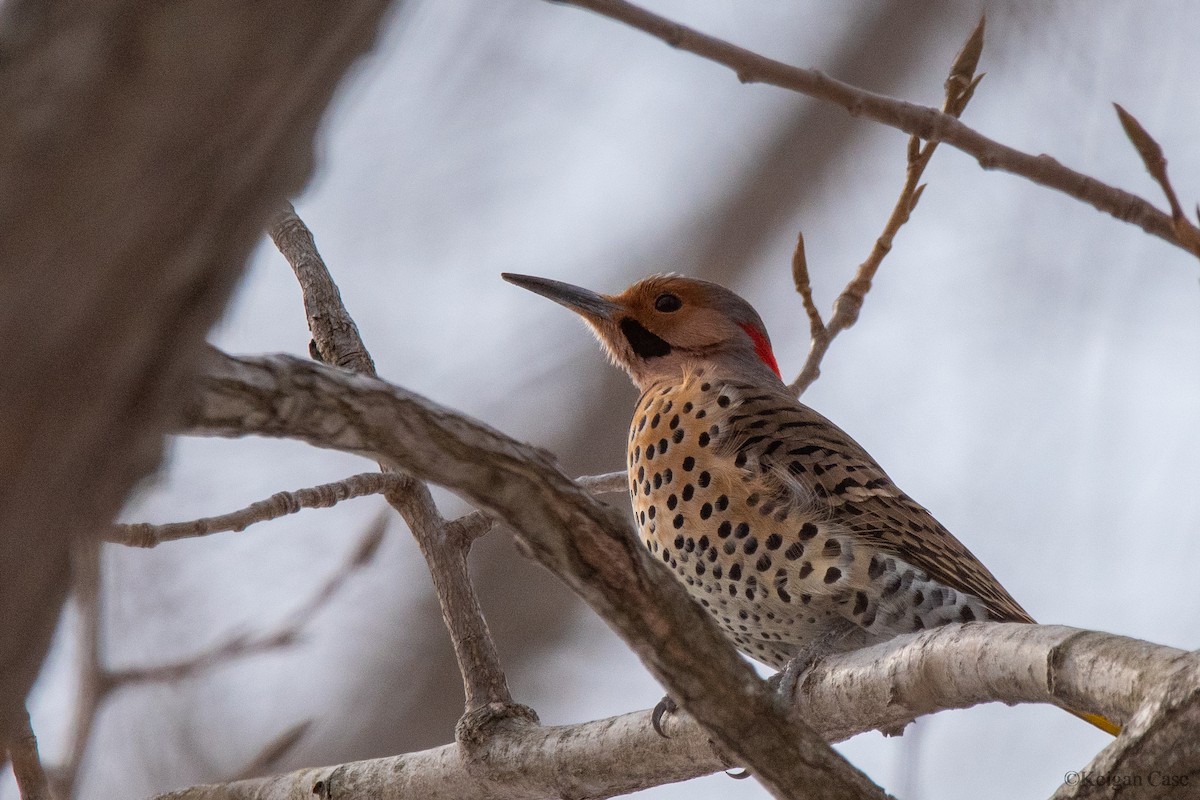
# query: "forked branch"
(960, 88)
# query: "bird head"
(664, 325)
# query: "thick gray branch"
(881, 687)
(587, 544)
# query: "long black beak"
(578, 299)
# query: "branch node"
(477, 726)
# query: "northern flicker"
(777, 522)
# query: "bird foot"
(787, 681)
(664, 707)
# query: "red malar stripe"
(762, 347)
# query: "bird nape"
(778, 523)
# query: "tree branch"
(587, 544)
(280, 504)
(27, 764)
(336, 340)
(960, 88)
(927, 123)
(164, 135)
(881, 687)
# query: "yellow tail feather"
(1100, 722)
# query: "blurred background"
(1025, 367)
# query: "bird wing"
(808, 456)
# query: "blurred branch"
(336, 340)
(926, 123)
(26, 763)
(587, 544)
(164, 135)
(960, 88)
(99, 681)
(278, 505)
(274, 752)
(878, 688)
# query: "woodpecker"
(777, 522)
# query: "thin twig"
(336, 340)
(142, 534)
(26, 763)
(1156, 164)
(924, 122)
(960, 88)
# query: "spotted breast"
(779, 524)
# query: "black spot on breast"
(672, 501)
(644, 343)
(677, 436)
(703, 479)
(706, 511)
(653, 510)
(703, 543)
(750, 546)
(655, 420)
(774, 541)
(689, 464)
(641, 474)
(860, 602)
(679, 542)
(729, 547)
(764, 563)
(704, 387)
(722, 503)
(805, 570)
(678, 521)
(743, 530)
(807, 531)
(688, 491)
(724, 529)
(658, 480)
(832, 548)
(832, 575)
(703, 439)
(739, 460)
(667, 476)
(875, 569)
(794, 551)
(687, 408)
(650, 452)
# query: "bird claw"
(788, 680)
(664, 707)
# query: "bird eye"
(667, 302)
